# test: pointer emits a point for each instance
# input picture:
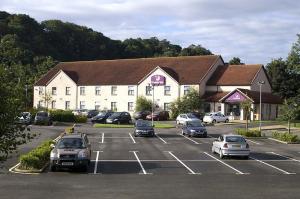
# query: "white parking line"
(190, 139)
(238, 172)
(188, 168)
(283, 171)
(161, 139)
(132, 138)
(140, 163)
(96, 161)
(254, 142)
(102, 139)
(285, 156)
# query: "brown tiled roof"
(229, 75)
(254, 95)
(186, 70)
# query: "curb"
(283, 142)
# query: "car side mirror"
(52, 146)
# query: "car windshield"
(208, 114)
(42, 114)
(195, 124)
(24, 114)
(235, 139)
(143, 123)
(101, 114)
(70, 143)
(190, 115)
(116, 114)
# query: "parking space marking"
(102, 139)
(132, 138)
(253, 142)
(190, 139)
(285, 156)
(238, 172)
(283, 171)
(140, 163)
(160, 139)
(96, 161)
(188, 168)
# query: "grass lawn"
(160, 125)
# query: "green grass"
(159, 125)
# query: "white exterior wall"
(159, 95)
(261, 76)
(225, 88)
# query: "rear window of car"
(143, 123)
(42, 114)
(195, 124)
(235, 139)
(71, 143)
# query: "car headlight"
(138, 131)
(53, 154)
(82, 154)
(192, 131)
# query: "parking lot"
(168, 166)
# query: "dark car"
(143, 128)
(198, 115)
(119, 118)
(158, 115)
(141, 115)
(194, 128)
(92, 113)
(101, 117)
(43, 118)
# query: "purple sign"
(158, 80)
(235, 97)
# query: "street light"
(260, 83)
(151, 86)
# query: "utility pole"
(260, 83)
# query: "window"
(113, 90)
(53, 90)
(97, 105)
(130, 90)
(53, 104)
(166, 106)
(167, 90)
(82, 90)
(68, 91)
(40, 90)
(186, 90)
(114, 106)
(67, 105)
(148, 90)
(40, 104)
(219, 108)
(130, 106)
(97, 90)
(82, 104)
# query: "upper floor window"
(148, 90)
(186, 90)
(97, 90)
(68, 91)
(113, 90)
(40, 90)
(82, 90)
(167, 90)
(130, 90)
(54, 90)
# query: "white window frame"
(97, 105)
(130, 106)
(67, 105)
(131, 90)
(82, 105)
(97, 90)
(149, 90)
(54, 90)
(113, 106)
(53, 104)
(114, 90)
(41, 90)
(68, 90)
(167, 92)
(167, 106)
(82, 90)
(186, 89)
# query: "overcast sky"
(254, 30)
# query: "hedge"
(37, 158)
(286, 137)
(80, 119)
(249, 133)
(62, 116)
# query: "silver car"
(231, 145)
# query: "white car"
(231, 145)
(215, 117)
(183, 118)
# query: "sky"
(256, 31)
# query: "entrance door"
(234, 110)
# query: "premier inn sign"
(157, 80)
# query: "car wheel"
(213, 150)
(246, 157)
(182, 132)
(52, 168)
(85, 168)
(214, 121)
(221, 154)
(226, 121)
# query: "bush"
(36, 158)
(62, 116)
(80, 119)
(249, 133)
(286, 137)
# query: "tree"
(47, 99)
(193, 50)
(143, 104)
(235, 61)
(293, 59)
(289, 111)
(246, 106)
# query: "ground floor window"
(130, 106)
(40, 104)
(166, 106)
(206, 107)
(97, 105)
(53, 104)
(113, 106)
(67, 105)
(82, 104)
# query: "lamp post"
(151, 86)
(260, 83)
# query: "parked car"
(24, 118)
(231, 145)
(198, 115)
(141, 115)
(43, 117)
(92, 113)
(71, 151)
(119, 118)
(215, 117)
(183, 118)
(143, 128)
(101, 117)
(194, 128)
(158, 115)
(80, 112)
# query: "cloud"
(256, 30)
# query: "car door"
(218, 142)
